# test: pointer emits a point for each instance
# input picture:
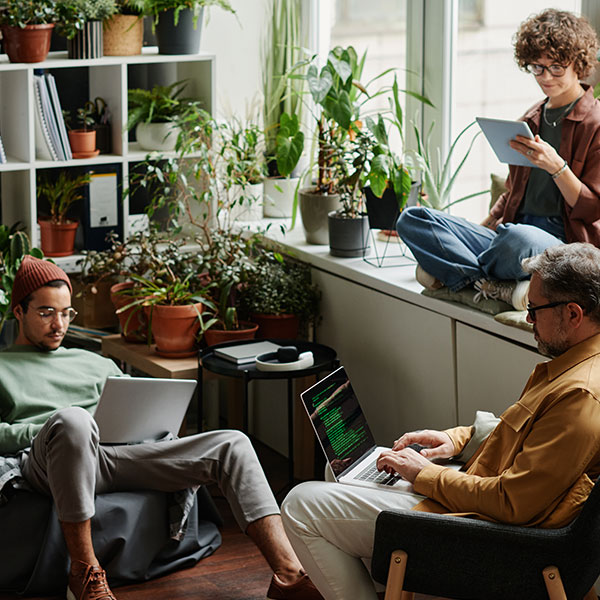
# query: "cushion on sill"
(465, 296)
(515, 318)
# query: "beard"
(554, 347)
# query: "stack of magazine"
(51, 139)
(2, 153)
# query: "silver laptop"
(138, 409)
(344, 434)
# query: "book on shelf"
(51, 139)
(50, 118)
(2, 152)
(58, 115)
(43, 144)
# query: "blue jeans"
(458, 252)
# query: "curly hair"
(560, 35)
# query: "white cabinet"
(108, 77)
(491, 372)
(399, 356)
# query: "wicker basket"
(123, 35)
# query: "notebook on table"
(344, 434)
(138, 409)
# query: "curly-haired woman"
(556, 201)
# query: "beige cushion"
(497, 188)
(515, 318)
(465, 296)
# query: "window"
(487, 82)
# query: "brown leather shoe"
(303, 589)
(88, 582)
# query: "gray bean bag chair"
(130, 532)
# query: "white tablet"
(499, 133)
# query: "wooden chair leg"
(395, 580)
(591, 595)
(554, 585)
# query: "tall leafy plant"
(282, 49)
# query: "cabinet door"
(491, 372)
(399, 356)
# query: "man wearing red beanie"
(47, 420)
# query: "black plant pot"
(348, 237)
(384, 212)
(88, 42)
(182, 38)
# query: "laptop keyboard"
(370, 473)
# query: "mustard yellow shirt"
(538, 466)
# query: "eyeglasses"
(531, 310)
(49, 314)
(554, 70)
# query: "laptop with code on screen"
(344, 435)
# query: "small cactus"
(19, 246)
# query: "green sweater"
(34, 384)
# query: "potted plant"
(14, 245)
(173, 296)
(58, 231)
(242, 151)
(91, 288)
(82, 139)
(282, 107)
(155, 113)
(280, 297)
(123, 32)
(388, 183)
(438, 178)
(27, 28)
(96, 112)
(334, 90)
(83, 27)
(178, 23)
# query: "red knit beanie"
(33, 274)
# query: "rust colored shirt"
(538, 465)
(580, 147)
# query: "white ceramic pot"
(157, 136)
(279, 196)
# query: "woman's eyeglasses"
(554, 70)
(49, 314)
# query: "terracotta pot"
(123, 35)
(82, 141)
(175, 329)
(57, 240)
(247, 331)
(134, 324)
(92, 302)
(277, 326)
(30, 44)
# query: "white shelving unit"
(110, 78)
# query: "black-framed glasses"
(531, 310)
(554, 70)
(48, 314)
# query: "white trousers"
(331, 527)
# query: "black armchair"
(464, 558)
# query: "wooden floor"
(236, 571)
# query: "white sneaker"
(429, 282)
(511, 292)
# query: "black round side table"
(325, 360)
